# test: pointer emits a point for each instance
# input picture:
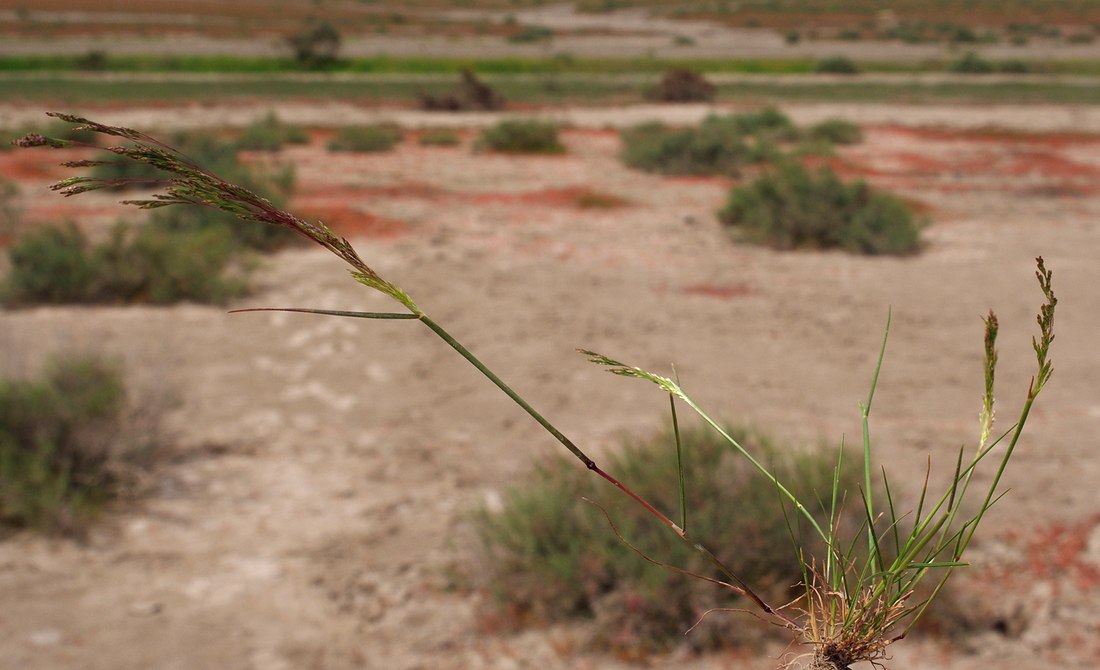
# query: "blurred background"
(743, 189)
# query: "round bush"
(522, 137)
(551, 556)
(791, 207)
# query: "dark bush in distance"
(550, 556)
(971, 63)
(62, 444)
(836, 65)
(522, 137)
(470, 94)
(791, 207)
(315, 45)
(682, 85)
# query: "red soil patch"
(1058, 552)
(1048, 164)
(994, 135)
(350, 221)
(36, 165)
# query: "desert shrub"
(719, 145)
(836, 65)
(63, 443)
(10, 212)
(768, 122)
(529, 34)
(522, 136)
(654, 147)
(470, 94)
(366, 139)
(315, 45)
(682, 85)
(146, 264)
(550, 556)
(836, 131)
(48, 265)
(971, 63)
(1014, 66)
(440, 137)
(791, 207)
(270, 134)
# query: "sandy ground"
(628, 33)
(311, 507)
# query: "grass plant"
(859, 590)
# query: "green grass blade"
(679, 462)
(330, 312)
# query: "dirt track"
(311, 510)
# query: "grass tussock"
(69, 442)
(548, 555)
(792, 207)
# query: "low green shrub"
(531, 34)
(791, 207)
(836, 65)
(654, 147)
(720, 145)
(144, 264)
(835, 131)
(440, 137)
(522, 136)
(10, 211)
(366, 139)
(270, 134)
(550, 556)
(971, 63)
(63, 444)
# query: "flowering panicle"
(186, 183)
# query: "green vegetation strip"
(64, 89)
(560, 64)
